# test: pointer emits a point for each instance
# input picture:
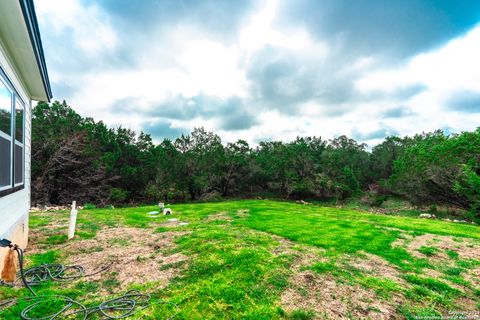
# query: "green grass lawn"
(260, 259)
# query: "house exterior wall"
(14, 207)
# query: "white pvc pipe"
(73, 220)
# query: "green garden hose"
(117, 308)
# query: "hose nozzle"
(5, 243)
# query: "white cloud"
(449, 68)
(88, 24)
(443, 72)
(184, 60)
(211, 68)
(261, 31)
(198, 65)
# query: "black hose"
(58, 272)
(44, 272)
(121, 307)
(22, 274)
(116, 308)
(63, 313)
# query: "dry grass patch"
(134, 256)
(465, 248)
(285, 246)
(330, 299)
(304, 255)
(243, 213)
(38, 237)
(376, 266)
(327, 297)
(219, 216)
(473, 276)
(448, 258)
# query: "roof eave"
(30, 18)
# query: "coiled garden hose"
(120, 307)
(117, 308)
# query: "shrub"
(118, 195)
(374, 199)
(89, 206)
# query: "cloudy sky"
(273, 69)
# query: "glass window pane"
(19, 122)
(18, 164)
(5, 109)
(5, 162)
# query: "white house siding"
(14, 207)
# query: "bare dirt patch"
(38, 236)
(326, 297)
(466, 248)
(332, 300)
(473, 276)
(376, 266)
(133, 256)
(285, 246)
(242, 213)
(304, 255)
(219, 216)
(136, 255)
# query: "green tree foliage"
(78, 158)
(435, 168)
(289, 169)
(235, 166)
(346, 166)
(384, 155)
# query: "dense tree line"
(77, 158)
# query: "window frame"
(18, 143)
(16, 98)
(4, 83)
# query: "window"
(19, 142)
(6, 98)
(12, 138)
